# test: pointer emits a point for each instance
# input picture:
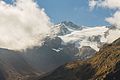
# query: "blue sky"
(76, 11)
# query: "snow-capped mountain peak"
(71, 25)
(93, 37)
(66, 27)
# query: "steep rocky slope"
(105, 65)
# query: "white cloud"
(22, 25)
(92, 4)
(115, 19)
(111, 4)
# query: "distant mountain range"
(70, 43)
(81, 36)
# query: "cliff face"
(105, 65)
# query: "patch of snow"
(57, 50)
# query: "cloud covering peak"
(22, 25)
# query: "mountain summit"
(66, 27)
(71, 25)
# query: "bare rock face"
(53, 43)
(86, 52)
(105, 65)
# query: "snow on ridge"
(88, 32)
(92, 36)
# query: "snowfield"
(82, 37)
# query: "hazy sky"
(76, 11)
